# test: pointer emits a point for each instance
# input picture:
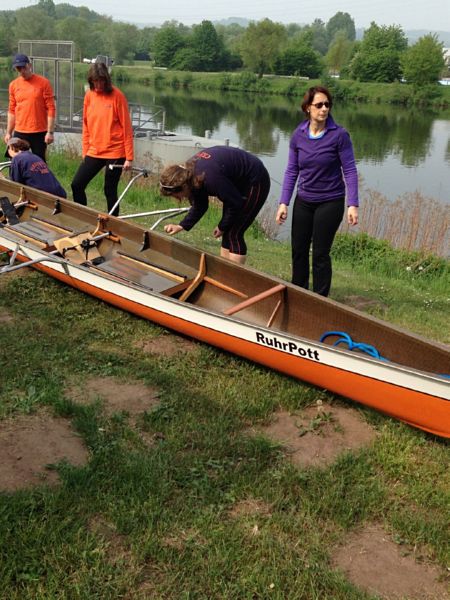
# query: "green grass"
(165, 511)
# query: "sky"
(431, 15)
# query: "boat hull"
(429, 411)
(419, 398)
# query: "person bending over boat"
(30, 169)
(107, 137)
(321, 159)
(236, 177)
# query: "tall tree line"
(262, 47)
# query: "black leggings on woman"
(315, 222)
(233, 240)
(88, 170)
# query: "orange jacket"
(107, 130)
(31, 101)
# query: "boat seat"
(39, 230)
(146, 275)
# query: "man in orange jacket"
(31, 111)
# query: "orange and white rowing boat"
(233, 307)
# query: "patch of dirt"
(250, 507)
(116, 396)
(183, 538)
(372, 561)
(167, 345)
(6, 317)
(317, 435)
(29, 444)
(365, 304)
(116, 545)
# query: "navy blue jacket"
(30, 169)
(229, 175)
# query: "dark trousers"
(233, 240)
(88, 170)
(36, 141)
(316, 223)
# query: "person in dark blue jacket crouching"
(30, 169)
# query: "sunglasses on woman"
(320, 104)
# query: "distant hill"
(230, 20)
(414, 34)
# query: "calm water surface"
(398, 150)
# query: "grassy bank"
(180, 502)
(436, 96)
(343, 90)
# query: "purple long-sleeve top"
(229, 174)
(324, 167)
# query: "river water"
(399, 151)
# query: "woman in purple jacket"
(236, 177)
(321, 160)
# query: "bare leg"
(237, 258)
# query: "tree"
(378, 57)
(124, 38)
(208, 47)
(339, 52)
(78, 31)
(260, 44)
(8, 42)
(299, 60)
(231, 34)
(33, 24)
(423, 62)
(47, 7)
(341, 22)
(319, 36)
(167, 41)
(187, 59)
(146, 35)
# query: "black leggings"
(36, 141)
(88, 170)
(233, 240)
(315, 222)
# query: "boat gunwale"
(141, 289)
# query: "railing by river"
(147, 121)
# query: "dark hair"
(308, 98)
(180, 178)
(99, 71)
(19, 145)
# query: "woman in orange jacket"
(107, 136)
